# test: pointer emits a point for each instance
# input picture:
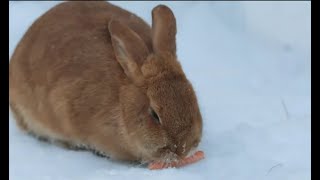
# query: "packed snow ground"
(255, 98)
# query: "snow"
(250, 66)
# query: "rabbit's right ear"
(163, 30)
(130, 50)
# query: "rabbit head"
(160, 112)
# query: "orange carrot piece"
(188, 160)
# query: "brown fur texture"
(90, 73)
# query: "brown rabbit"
(93, 74)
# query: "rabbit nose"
(181, 151)
(175, 149)
(172, 148)
(169, 148)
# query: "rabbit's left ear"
(163, 30)
(130, 50)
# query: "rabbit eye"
(154, 115)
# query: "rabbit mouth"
(166, 155)
(162, 154)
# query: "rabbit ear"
(163, 30)
(130, 50)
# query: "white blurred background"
(250, 65)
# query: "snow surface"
(250, 67)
